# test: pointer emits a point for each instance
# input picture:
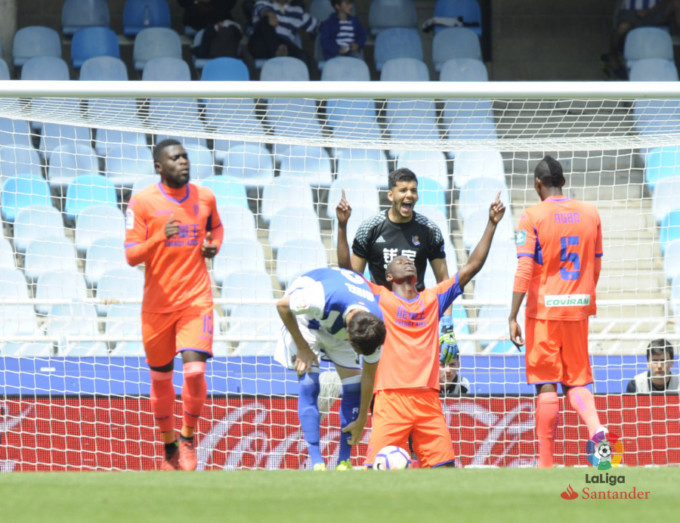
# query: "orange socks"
(583, 402)
(163, 400)
(194, 391)
(547, 410)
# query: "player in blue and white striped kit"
(331, 313)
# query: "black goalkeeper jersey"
(378, 240)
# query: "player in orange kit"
(559, 246)
(172, 227)
(407, 379)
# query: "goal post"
(73, 379)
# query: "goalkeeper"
(407, 379)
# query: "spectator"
(198, 14)
(342, 33)
(276, 25)
(632, 14)
(659, 378)
(452, 383)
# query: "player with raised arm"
(331, 313)
(172, 227)
(407, 380)
(559, 245)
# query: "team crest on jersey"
(415, 240)
(129, 219)
(521, 237)
(195, 210)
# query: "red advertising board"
(118, 433)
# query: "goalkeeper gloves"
(448, 346)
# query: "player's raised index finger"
(498, 197)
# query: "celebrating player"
(172, 227)
(407, 380)
(559, 245)
(331, 313)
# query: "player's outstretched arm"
(356, 427)
(478, 257)
(343, 211)
(513, 324)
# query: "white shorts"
(323, 344)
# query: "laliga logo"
(604, 452)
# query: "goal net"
(73, 378)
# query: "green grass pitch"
(460, 495)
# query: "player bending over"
(407, 379)
(330, 313)
(559, 245)
(172, 227)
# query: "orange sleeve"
(138, 248)
(215, 223)
(525, 266)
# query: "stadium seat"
(49, 254)
(388, 14)
(144, 181)
(370, 163)
(463, 70)
(321, 9)
(293, 223)
(90, 42)
(653, 70)
(154, 42)
(477, 164)
(410, 120)
(465, 128)
(35, 40)
(4, 70)
(87, 190)
(466, 114)
(13, 284)
(226, 119)
(473, 226)
(478, 193)
(309, 162)
(240, 222)
(16, 160)
(246, 285)
(671, 260)
(669, 229)
(468, 12)
(125, 110)
(104, 69)
(359, 191)
(238, 255)
(15, 318)
(284, 68)
(35, 222)
(251, 163)
(7, 260)
(227, 190)
(225, 68)
(14, 133)
(75, 320)
(123, 321)
(675, 297)
(647, 42)
(492, 326)
(103, 254)
(429, 163)
(345, 69)
(69, 161)
(22, 191)
(660, 163)
(98, 221)
(201, 161)
(126, 163)
(294, 118)
(249, 321)
(353, 119)
(77, 14)
(55, 135)
(139, 15)
(7, 103)
(666, 197)
(396, 42)
(192, 119)
(439, 217)
(175, 113)
(404, 70)
(431, 194)
(298, 256)
(107, 140)
(45, 68)
(461, 325)
(58, 285)
(359, 214)
(454, 42)
(278, 194)
(31, 349)
(119, 285)
(166, 68)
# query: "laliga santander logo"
(605, 451)
(569, 494)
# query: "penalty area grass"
(478, 495)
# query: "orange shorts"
(166, 334)
(418, 412)
(557, 352)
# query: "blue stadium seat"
(15, 133)
(476, 164)
(103, 254)
(154, 42)
(469, 11)
(107, 139)
(23, 191)
(666, 197)
(144, 181)
(45, 68)
(247, 285)
(201, 161)
(35, 40)
(227, 190)
(353, 119)
(431, 194)
(68, 161)
(405, 70)
(293, 223)
(297, 256)
(77, 14)
(653, 70)
(49, 254)
(369, 163)
(463, 70)
(55, 135)
(345, 69)
(251, 163)
(277, 195)
(647, 42)
(143, 14)
(125, 163)
(59, 285)
(166, 68)
(284, 68)
(175, 113)
(123, 320)
(238, 255)
(359, 191)
(425, 163)
(478, 193)
(36, 222)
(359, 214)
(7, 260)
(396, 42)
(247, 321)
(75, 320)
(18, 160)
(671, 260)
(104, 69)
(388, 14)
(454, 42)
(119, 285)
(240, 222)
(458, 127)
(408, 120)
(661, 162)
(225, 68)
(87, 190)
(474, 225)
(90, 42)
(124, 109)
(669, 229)
(15, 318)
(98, 221)
(4, 70)
(309, 162)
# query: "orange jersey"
(410, 354)
(176, 275)
(563, 237)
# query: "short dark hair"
(401, 175)
(158, 150)
(366, 332)
(660, 346)
(338, 2)
(549, 171)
